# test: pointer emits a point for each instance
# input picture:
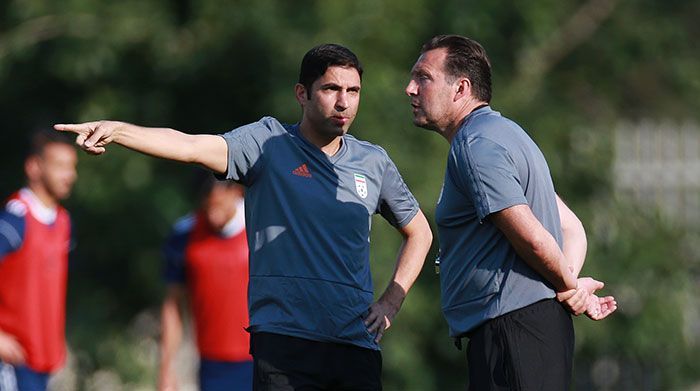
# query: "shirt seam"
(310, 278)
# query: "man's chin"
(61, 195)
(422, 123)
(337, 131)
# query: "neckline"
(477, 110)
(296, 131)
(46, 215)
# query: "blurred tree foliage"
(567, 71)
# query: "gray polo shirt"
(308, 220)
(492, 165)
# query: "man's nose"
(341, 102)
(411, 88)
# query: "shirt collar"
(237, 223)
(45, 215)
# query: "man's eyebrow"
(336, 85)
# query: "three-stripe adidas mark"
(302, 171)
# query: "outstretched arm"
(207, 150)
(417, 240)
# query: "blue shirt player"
(508, 245)
(311, 192)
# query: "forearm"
(405, 274)
(574, 249)
(410, 259)
(535, 245)
(158, 142)
(171, 335)
(550, 262)
(574, 237)
(207, 150)
(417, 239)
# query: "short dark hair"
(204, 181)
(41, 138)
(465, 58)
(317, 60)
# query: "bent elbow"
(573, 226)
(427, 234)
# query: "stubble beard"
(422, 122)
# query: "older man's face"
(430, 92)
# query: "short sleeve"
(12, 226)
(486, 171)
(174, 252)
(396, 203)
(245, 151)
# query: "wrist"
(393, 296)
(568, 279)
(392, 302)
(118, 133)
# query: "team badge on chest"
(361, 185)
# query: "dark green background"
(569, 72)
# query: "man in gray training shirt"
(508, 245)
(311, 192)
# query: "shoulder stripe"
(16, 207)
(184, 224)
(8, 231)
(352, 139)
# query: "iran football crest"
(361, 185)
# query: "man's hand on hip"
(381, 314)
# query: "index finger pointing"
(74, 128)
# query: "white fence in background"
(658, 164)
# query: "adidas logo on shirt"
(302, 171)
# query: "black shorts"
(528, 349)
(282, 362)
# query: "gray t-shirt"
(308, 220)
(493, 165)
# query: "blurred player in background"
(35, 235)
(206, 269)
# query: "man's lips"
(340, 120)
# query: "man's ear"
(464, 89)
(300, 94)
(32, 168)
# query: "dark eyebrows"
(334, 86)
(329, 86)
(419, 72)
